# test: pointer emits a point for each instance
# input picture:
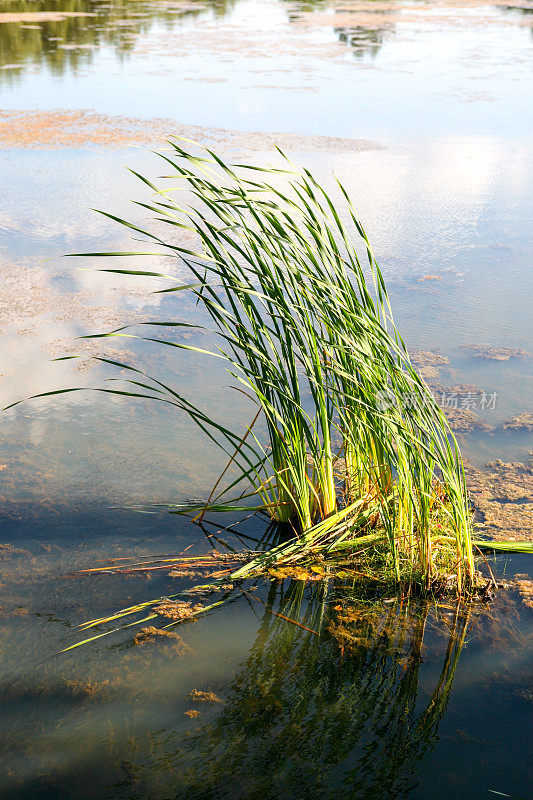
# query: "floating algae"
(522, 422)
(491, 353)
(169, 641)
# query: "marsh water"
(424, 110)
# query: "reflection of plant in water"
(525, 10)
(307, 718)
(364, 36)
(362, 39)
(302, 716)
(68, 42)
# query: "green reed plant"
(307, 331)
(357, 452)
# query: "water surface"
(423, 110)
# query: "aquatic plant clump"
(305, 327)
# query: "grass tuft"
(304, 325)
(302, 321)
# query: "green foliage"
(304, 326)
(307, 332)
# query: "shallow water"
(401, 703)
(423, 110)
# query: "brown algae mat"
(502, 496)
(62, 128)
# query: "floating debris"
(204, 697)
(192, 713)
(200, 590)
(460, 403)
(460, 394)
(69, 128)
(15, 611)
(427, 363)
(42, 16)
(523, 422)
(491, 353)
(463, 420)
(524, 694)
(182, 573)
(219, 573)
(176, 610)
(151, 635)
(7, 549)
(297, 573)
(524, 584)
(180, 566)
(502, 496)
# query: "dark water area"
(355, 700)
(423, 110)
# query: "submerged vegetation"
(358, 463)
